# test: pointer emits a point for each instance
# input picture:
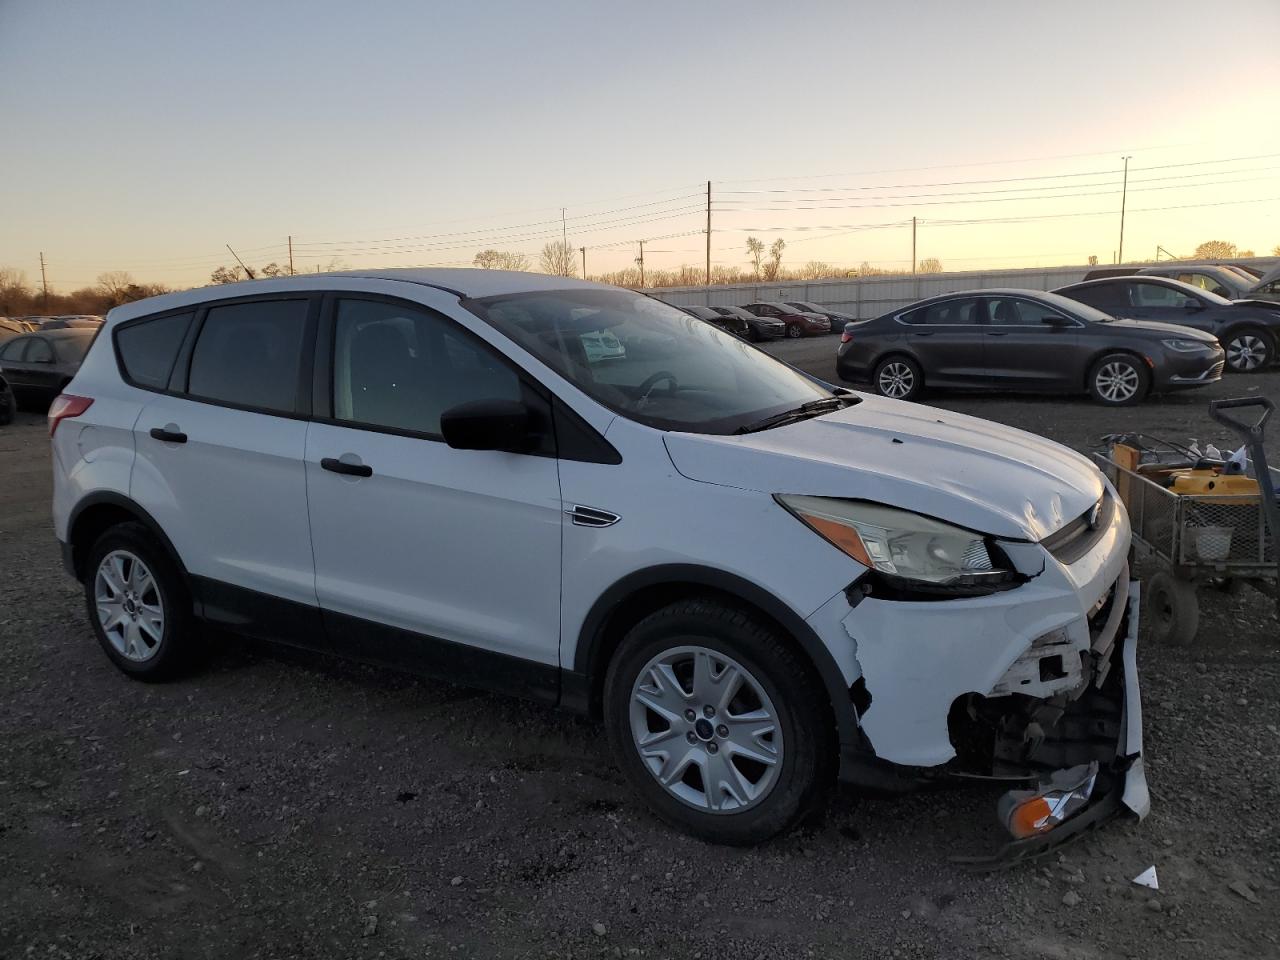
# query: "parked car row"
(36, 366)
(770, 319)
(1227, 280)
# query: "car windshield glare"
(648, 361)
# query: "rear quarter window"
(147, 349)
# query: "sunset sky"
(144, 136)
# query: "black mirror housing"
(1056, 321)
(505, 425)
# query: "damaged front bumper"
(1035, 687)
(1099, 742)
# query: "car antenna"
(242, 263)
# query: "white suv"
(757, 581)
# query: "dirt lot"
(280, 805)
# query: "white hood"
(970, 472)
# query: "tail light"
(66, 406)
(845, 336)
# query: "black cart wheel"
(1173, 611)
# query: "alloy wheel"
(896, 380)
(1246, 352)
(706, 729)
(1117, 381)
(130, 608)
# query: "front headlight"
(906, 551)
(1186, 346)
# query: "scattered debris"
(599, 929)
(455, 882)
(1241, 888)
(404, 796)
(370, 926)
(1147, 878)
(1071, 899)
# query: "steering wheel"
(652, 381)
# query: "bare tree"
(816, 270)
(501, 260)
(1216, 250)
(755, 250)
(930, 265)
(1093, 260)
(1245, 253)
(1275, 251)
(274, 269)
(559, 259)
(227, 274)
(15, 295)
(772, 268)
(114, 284)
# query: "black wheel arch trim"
(108, 498)
(581, 687)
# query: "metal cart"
(1202, 539)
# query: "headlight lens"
(906, 548)
(1185, 346)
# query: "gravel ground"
(284, 805)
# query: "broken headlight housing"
(910, 556)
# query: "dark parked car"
(66, 323)
(39, 365)
(799, 323)
(758, 328)
(730, 323)
(1024, 340)
(7, 404)
(1247, 330)
(837, 318)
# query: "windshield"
(648, 361)
(740, 312)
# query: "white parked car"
(756, 581)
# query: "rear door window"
(247, 355)
(39, 351)
(13, 349)
(148, 348)
(949, 313)
(1157, 295)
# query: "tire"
(1173, 611)
(138, 644)
(764, 799)
(1119, 380)
(898, 378)
(1249, 350)
(794, 331)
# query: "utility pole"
(291, 255)
(1124, 193)
(44, 281)
(583, 251)
(242, 263)
(640, 261)
(913, 244)
(1171, 256)
(564, 230)
(708, 233)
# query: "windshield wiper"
(813, 408)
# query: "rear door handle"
(167, 435)
(347, 469)
(922, 333)
(997, 333)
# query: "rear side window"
(248, 354)
(39, 351)
(72, 349)
(947, 313)
(13, 349)
(1157, 295)
(1104, 296)
(148, 349)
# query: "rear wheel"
(1248, 350)
(1119, 380)
(138, 605)
(713, 719)
(899, 378)
(1173, 610)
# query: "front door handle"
(997, 333)
(922, 333)
(167, 435)
(347, 469)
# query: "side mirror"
(489, 425)
(1192, 305)
(1056, 321)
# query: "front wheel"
(1119, 380)
(898, 378)
(1248, 350)
(714, 721)
(794, 331)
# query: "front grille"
(1080, 535)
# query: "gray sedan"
(38, 365)
(1024, 340)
